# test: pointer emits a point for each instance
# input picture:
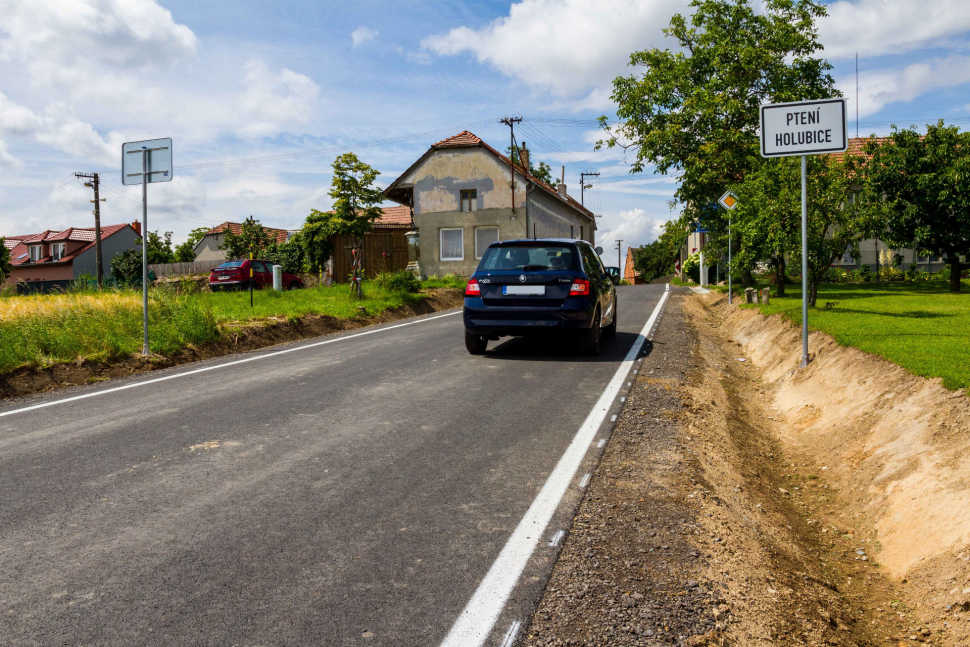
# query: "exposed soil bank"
(892, 450)
(235, 339)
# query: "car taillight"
(472, 289)
(579, 288)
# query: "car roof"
(536, 241)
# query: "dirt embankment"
(235, 339)
(891, 450)
(694, 530)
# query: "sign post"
(143, 163)
(729, 201)
(804, 128)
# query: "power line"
(551, 146)
(38, 196)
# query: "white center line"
(135, 385)
(476, 621)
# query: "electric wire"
(166, 211)
(37, 196)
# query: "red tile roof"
(857, 146)
(395, 216)
(20, 254)
(235, 227)
(466, 138)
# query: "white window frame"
(498, 237)
(58, 250)
(441, 246)
(40, 253)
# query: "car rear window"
(530, 257)
(230, 265)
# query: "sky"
(260, 97)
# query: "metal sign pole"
(146, 166)
(730, 268)
(804, 264)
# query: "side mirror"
(599, 250)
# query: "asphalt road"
(355, 492)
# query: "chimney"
(561, 188)
(524, 157)
(137, 227)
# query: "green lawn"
(42, 330)
(920, 326)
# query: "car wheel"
(589, 343)
(476, 344)
(295, 285)
(610, 331)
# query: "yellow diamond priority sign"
(729, 201)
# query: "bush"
(865, 272)
(402, 281)
(836, 275)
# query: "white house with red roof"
(65, 255)
(465, 196)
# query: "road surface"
(350, 492)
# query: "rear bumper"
(497, 321)
(228, 285)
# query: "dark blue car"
(545, 287)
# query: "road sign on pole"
(144, 163)
(804, 128)
(729, 201)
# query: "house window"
(452, 244)
(469, 200)
(484, 236)
(581, 233)
(57, 251)
(35, 253)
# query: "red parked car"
(234, 275)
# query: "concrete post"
(702, 279)
(278, 278)
(414, 255)
(766, 296)
(750, 295)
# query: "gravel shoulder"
(690, 532)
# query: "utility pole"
(510, 122)
(619, 265)
(583, 187)
(94, 184)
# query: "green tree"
(542, 172)
(355, 209)
(694, 110)
(289, 254)
(126, 266)
(251, 240)
(159, 247)
(185, 253)
(927, 195)
(657, 259)
(5, 266)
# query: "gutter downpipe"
(529, 186)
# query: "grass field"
(920, 326)
(42, 330)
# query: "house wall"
(52, 272)
(438, 181)
(208, 248)
(429, 226)
(550, 218)
(87, 262)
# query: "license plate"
(223, 277)
(524, 290)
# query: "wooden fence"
(384, 251)
(179, 269)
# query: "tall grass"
(40, 330)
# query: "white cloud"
(58, 127)
(58, 39)
(876, 27)
(880, 88)
(635, 227)
(570, 47)
(362, 35)
(274, 101)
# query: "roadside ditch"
(715, 518)
(236, 338)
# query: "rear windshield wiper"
(535, 267)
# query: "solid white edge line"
(478, 618)
(218, 366)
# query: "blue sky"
(244, 79)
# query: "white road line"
(585, 480)
(510, 635)
(613, 418)
(557, 538)
(474, 625)
(217, 367)
(601, 443)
